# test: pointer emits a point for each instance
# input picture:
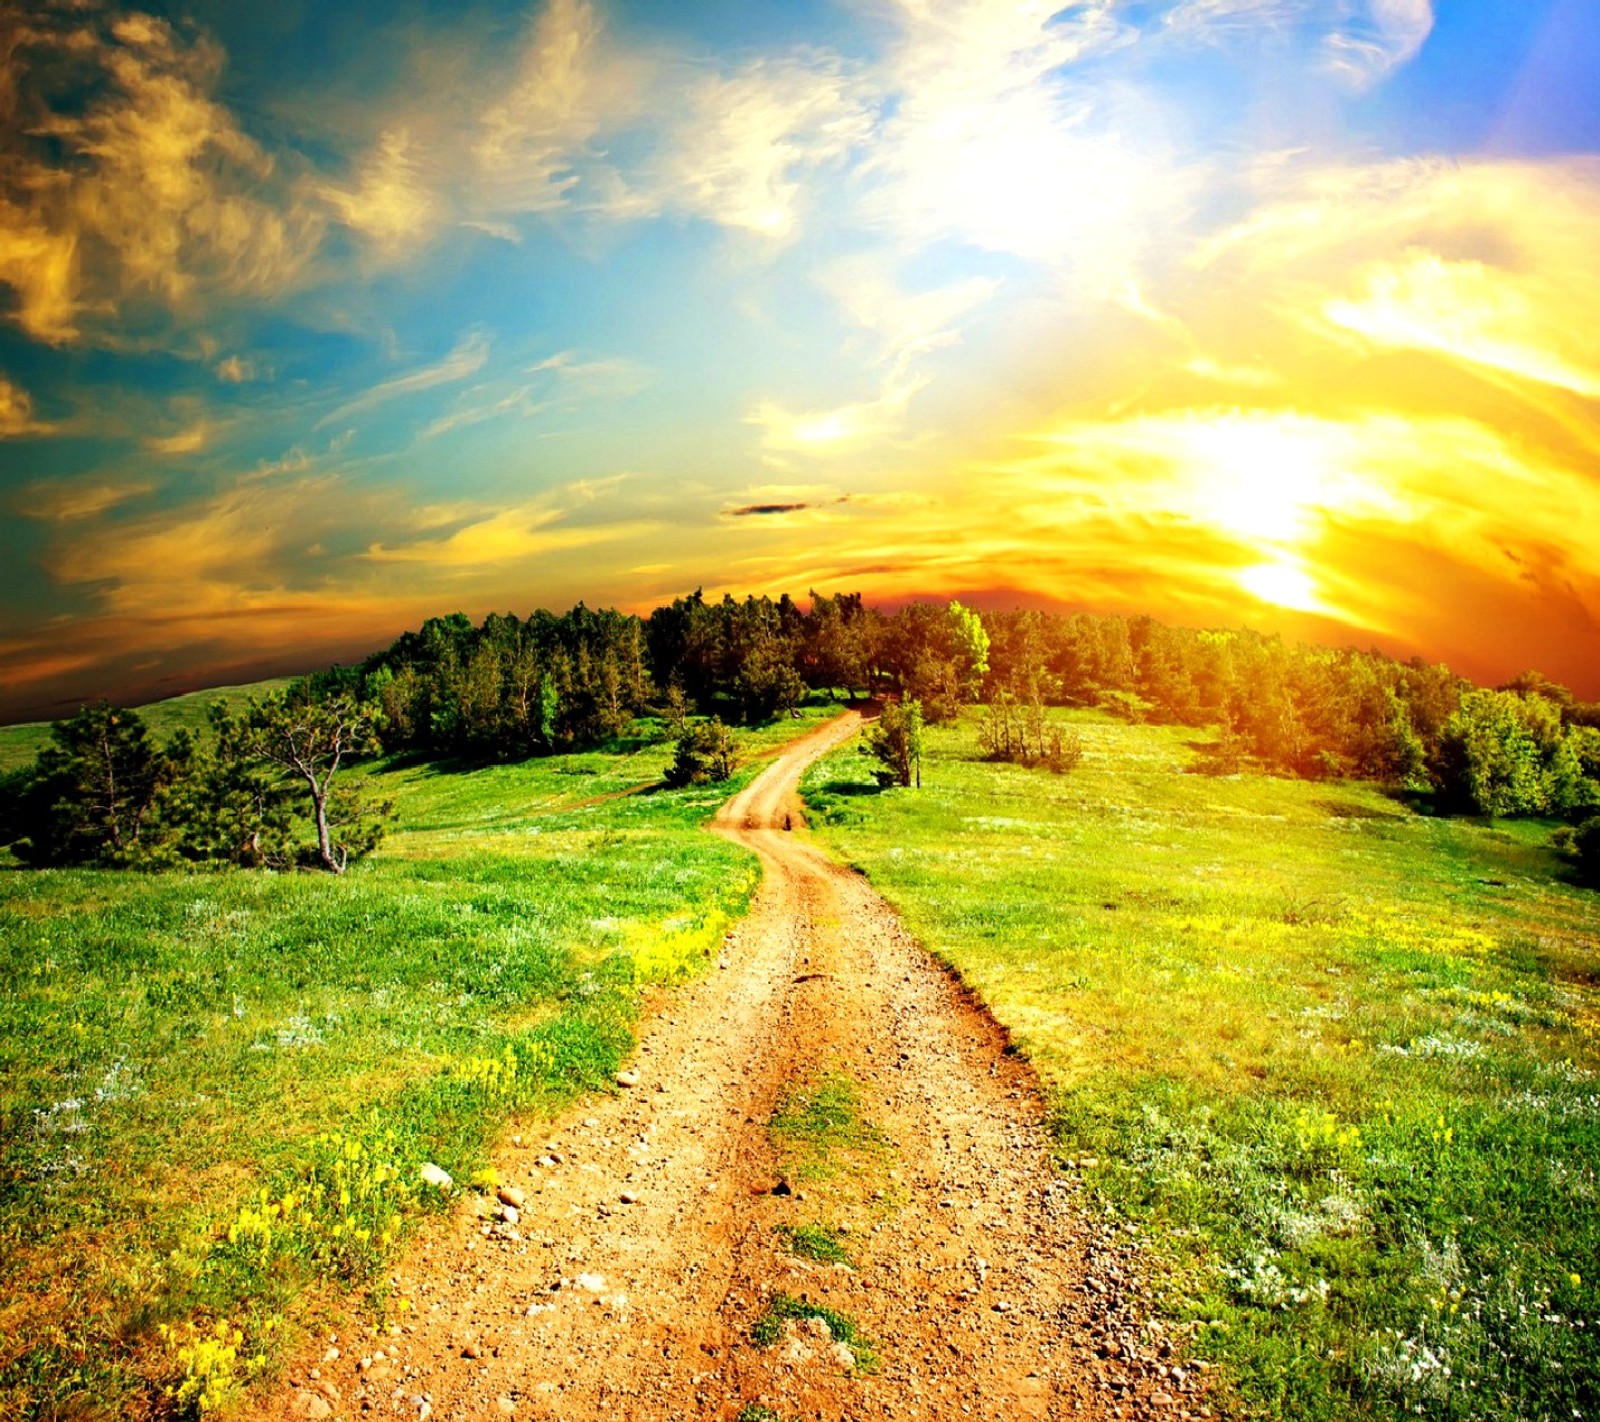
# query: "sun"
(1283, 584)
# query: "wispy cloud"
(1388, 34)
(390, 201)
(1484, 263)
(73, 500)
(467, 359)
(570, 85)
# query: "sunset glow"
(317, 323)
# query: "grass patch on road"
(819, 1130)
(783, 1308)
(1337, 1059)
(217, 1089)
(819, 1242)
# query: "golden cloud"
(16, 412)
(160, 194)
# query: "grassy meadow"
(217, 1089)
(1335, 1059)
(19, 744)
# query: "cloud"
(747, 142)
(149, 191)
(70, 501)
(16, 412)
(826, 431)
(192, 439)
(504, 536)
(570, 85)
(1387, 35)
(391, 203)
(763, 510)
(1218, 18)
(560, 382)
(236, 370)
(470, 355)
(1485, 263)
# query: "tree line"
(510, 687)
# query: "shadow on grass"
(849, 788)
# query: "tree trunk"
(330, 862)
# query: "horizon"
(1266, 313)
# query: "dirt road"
(651, 1245)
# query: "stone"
(472, 1351)
(818, 1329)
(844, 1355)
(628, 1197)
(331, 1356)
(432, 1175)
(627, 1078)
(590, 1283)
(505, 1406)
(510, 1214)
(308, 1404)
(511, 1195)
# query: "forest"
(269, 786)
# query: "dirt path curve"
(649, 1241)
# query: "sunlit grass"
(217, 1089)
(1337, 1058)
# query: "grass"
(815, 1241)
(19, 744)
(768, 1329)
(818, 1128)
(217, 1089)
(1338, 1059)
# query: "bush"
(704, 755)
(896, 741)
(1586, 846)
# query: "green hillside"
(19, 744)
(1335, 1059)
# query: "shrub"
(896, 741)
(1586, 846)
(704, 755)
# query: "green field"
(1336, 1060)
(19, 744)
(217, 1088)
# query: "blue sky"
(318, 320)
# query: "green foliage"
(895, 740)
(1334, 1061)
(1586, 850)
(230, 806)
(971, 644)
(92, 793)
(509, 688)
(703, 755)
(305, 741)
(1507, 754)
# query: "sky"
(316, 320)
